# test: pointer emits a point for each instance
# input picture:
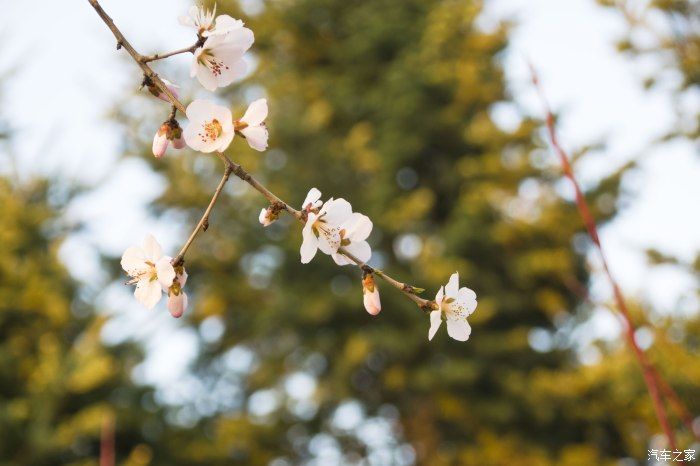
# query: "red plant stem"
(669, 393)
(648, 371)
(107, 455)
(677, 404)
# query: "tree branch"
(203, 223)
(648, 371)
(237, 169)
(160, 56)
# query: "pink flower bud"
(161, 95)
(177, 304)
(179, 143)
(160, 141)
(371, 295)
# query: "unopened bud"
(269, 215)
(177, 303)
(179, 143)
(175, 135)
(160, 141)
(155, 90)
(371, 295)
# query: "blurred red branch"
(580, 290)
(651, 375)
(107, 455)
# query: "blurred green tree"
(58, 382)
(401, 108)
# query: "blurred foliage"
(667, 31)
(390, 104)
(58, 382)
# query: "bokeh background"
(421, 113)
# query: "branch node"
(428, 307)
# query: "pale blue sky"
(69, 76)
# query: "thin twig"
(410, 291)
(239, 171)
(160, 56)
(204, 221)
(649, 373)
(138, 58)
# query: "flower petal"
(357, 227)
(360, 250)
(224, 25)
(329, 241)
(452, 286)
(134, 261)
(165, 272)
(205, 77)
(337, 211)
(458, 329)
(235, 70)
(200, 110)
(309, 244)
(256, 137)
(256, 112)
(466, 298)
(435, 322)
(440, 295)
(240, 38)
(151, 249)
(311, 198)
(148, 292)
(224, 140)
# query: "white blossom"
(219, 61)
(455, 305)
(210, 127)
(332, 226)
(353, 234)
(252, 125)
(149, 269)
(322, 228)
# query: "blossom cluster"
(330, 226)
